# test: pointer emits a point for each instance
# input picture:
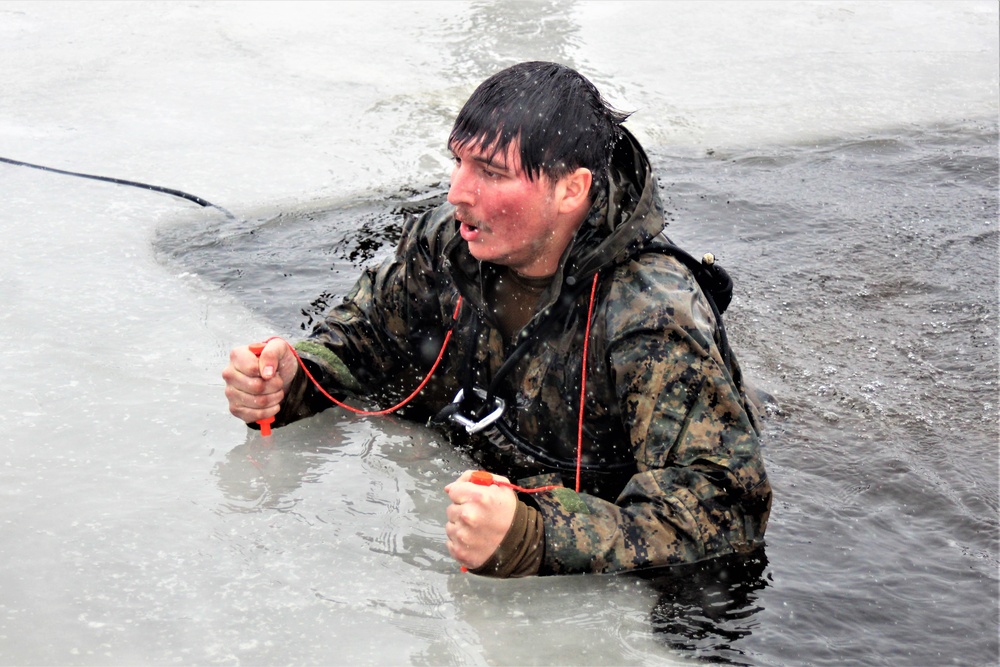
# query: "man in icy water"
(552, 239)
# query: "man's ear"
(574, 189)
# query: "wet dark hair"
(559, 118)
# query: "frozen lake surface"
(839, 157)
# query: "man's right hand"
(256, 386)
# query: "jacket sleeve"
(386, 329)
(700, 489)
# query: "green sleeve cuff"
(335, 367)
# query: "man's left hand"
(478, 519)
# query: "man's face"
(506, 218)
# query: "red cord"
(370, 413)
(482, 480)
(583, 383)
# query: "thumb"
(271, 357)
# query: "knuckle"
(471, 518)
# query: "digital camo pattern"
(674, 471)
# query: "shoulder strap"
(712, 278)
(714, 282)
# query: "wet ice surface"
(839, 158)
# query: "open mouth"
(470, 228)
(469, 232)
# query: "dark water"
(867, 304)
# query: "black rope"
(120, 181)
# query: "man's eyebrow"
(488, 161)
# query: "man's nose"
(461, 192)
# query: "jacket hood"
(622, 219)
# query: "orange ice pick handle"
(481, 477)
(265, 424)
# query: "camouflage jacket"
(672, 465)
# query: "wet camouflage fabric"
(662, 409)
